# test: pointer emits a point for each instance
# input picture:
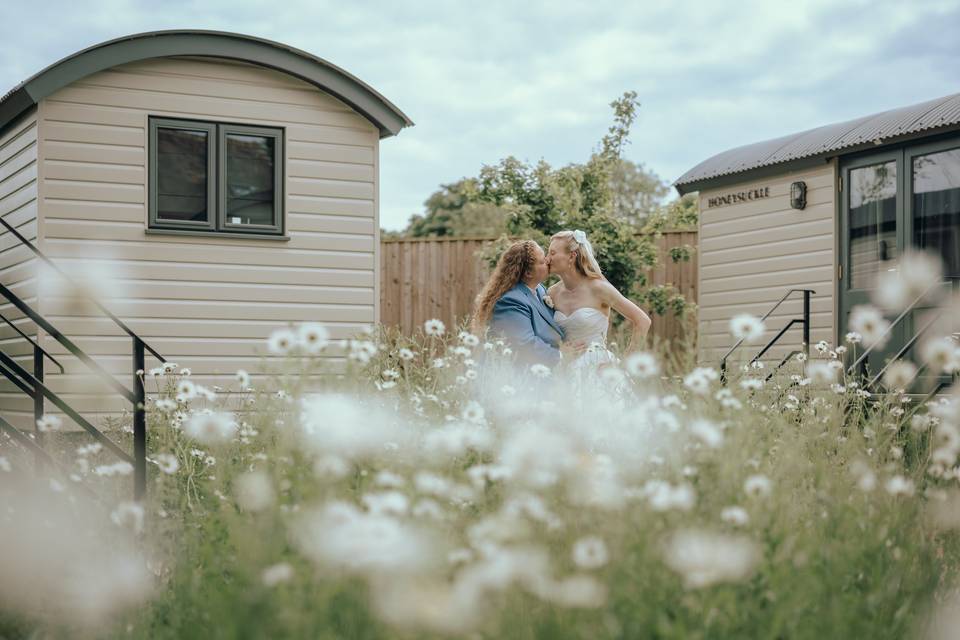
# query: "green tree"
(637, 193)
(455, 210)
(680, 214)
(542, 200)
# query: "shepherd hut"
(824, 210)
(221, 185)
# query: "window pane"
(182, 175)
(250, 179)
(873, 222)
(936, 206)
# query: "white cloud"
(534, 79)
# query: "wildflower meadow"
(430, 486)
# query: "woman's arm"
(609, 295)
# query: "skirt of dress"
(585, 368)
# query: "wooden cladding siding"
(752, 253)
(207, 303)
(18, 266)
(439, 278)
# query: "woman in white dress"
(582, 301)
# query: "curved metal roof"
(826, 141)
(218, 44)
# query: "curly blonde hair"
(513, 265)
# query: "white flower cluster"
(310, 338)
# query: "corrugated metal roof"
(827, 140)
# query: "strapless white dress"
(586, 325)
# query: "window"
(216, 178)
(936, 206)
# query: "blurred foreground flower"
(746, 327)
(913, 275)
(703, 558)
(68, 565)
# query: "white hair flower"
(579, 236)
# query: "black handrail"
(96, 302)
(804, 320)
(32, 341)
(38, 386)
(66, 342)
(32, 383)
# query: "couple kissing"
(571, 317)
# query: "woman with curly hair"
(511, 304)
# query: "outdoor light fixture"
(798, 195)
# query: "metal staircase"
(803, 321)
(859, 366)
(858, 369)
(32, 382)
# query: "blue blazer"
(528, 324)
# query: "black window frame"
(217, 223)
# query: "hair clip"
(579, 236)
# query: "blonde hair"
(576, 242)
(512, 266)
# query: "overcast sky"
(533, 79)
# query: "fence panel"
(423, 278)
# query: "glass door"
(871, 238)
(932, 220)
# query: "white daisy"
(540, 370)
(434, 328)
(313, 337)
(736, 516)
(642, 365)
(49, 422)
(186, 390)
(757, 486)
(746, 327)
(869, 324)
(281, 342)
(589, 553)
(210, 427)
(467, 339)
(899, 375)
(166, 462)
(940, 354)
(277, 574)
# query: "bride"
(582, 301)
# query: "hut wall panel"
(752, 253)
(206, 303)
(18, 266)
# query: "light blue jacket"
(528, 325)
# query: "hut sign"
(739, 196)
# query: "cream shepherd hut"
(226, 185)
(824, 210)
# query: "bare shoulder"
(602, 288)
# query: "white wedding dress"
(588, 326)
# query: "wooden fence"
(423, 278)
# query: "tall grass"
(409, 497)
